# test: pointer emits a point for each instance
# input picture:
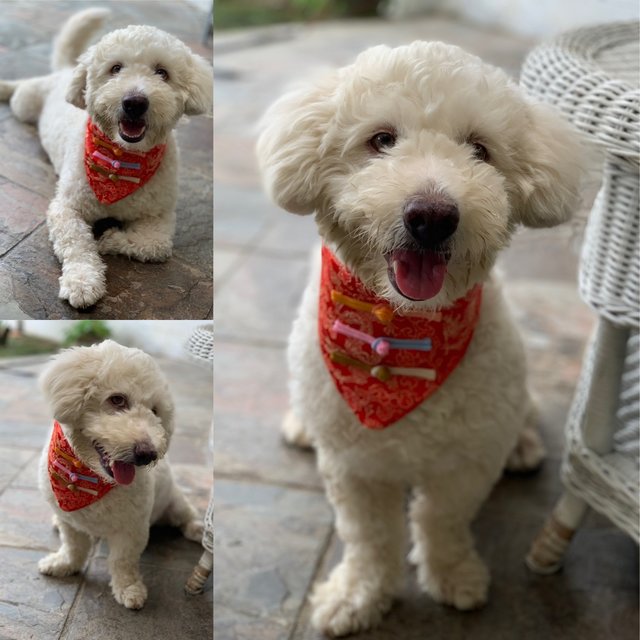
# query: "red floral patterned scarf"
(114, 173)
(383, 363)
(74, 485)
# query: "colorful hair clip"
(382, 312)
(116, 164)
(115, 150)
(71, 486)
(381, 348)
(382, 345)
(382, 372)
(74, 477)
(68, 458)
(114, 177)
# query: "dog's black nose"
(135, 106)
(430, 220)
(144, 453)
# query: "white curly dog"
(114, 419)
(419, 163)
(134, 85)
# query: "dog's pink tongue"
(419, 276)
(123, 472)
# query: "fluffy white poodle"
(407, 372)
(103, 470)
(106, 119)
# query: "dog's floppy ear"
(75, 91)
(68, 381)
(551, 169)
(290, 146)
(200, 88)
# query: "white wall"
(156, 337)
(537, 18)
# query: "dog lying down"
(105, 118)
(103, 470)
(407, 371)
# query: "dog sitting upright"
(103, 470)
(106, 120)
(406, 368)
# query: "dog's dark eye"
(382, 140)
(115, 69)
(163, 73)
(119, 401)
(154, 411)
(480, 152)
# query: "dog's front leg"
(370, 522)
(147, 239)
(71, 555)
(82, 282)
(449, 567)
(125, 549)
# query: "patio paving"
(181, 288)
(274, 529)
(35, 607)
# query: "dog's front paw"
(57, 565)
(464, 586)
(82, 285)
(341, 607)
(294, 432)
(132, 596)
(193, 530)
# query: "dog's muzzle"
(133, 125)
(418, 269)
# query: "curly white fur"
(60, 104)
(78, 385)
(315, 156)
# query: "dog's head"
(419, 162)
(137, 82)
(114, 405)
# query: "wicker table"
(591, 75)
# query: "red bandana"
(114, 173)
(385, 364)
(74, 485)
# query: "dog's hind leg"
(147, 240)
(71, 555)
(27, 97)
(180, 513)
(370, 522)
(529, 452)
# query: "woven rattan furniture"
(200, 349)
(591, 75)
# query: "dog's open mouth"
(417, 274)
(132, 130)
(121, 472)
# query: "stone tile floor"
(274, 531)
(179, 288)
(34, 607)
